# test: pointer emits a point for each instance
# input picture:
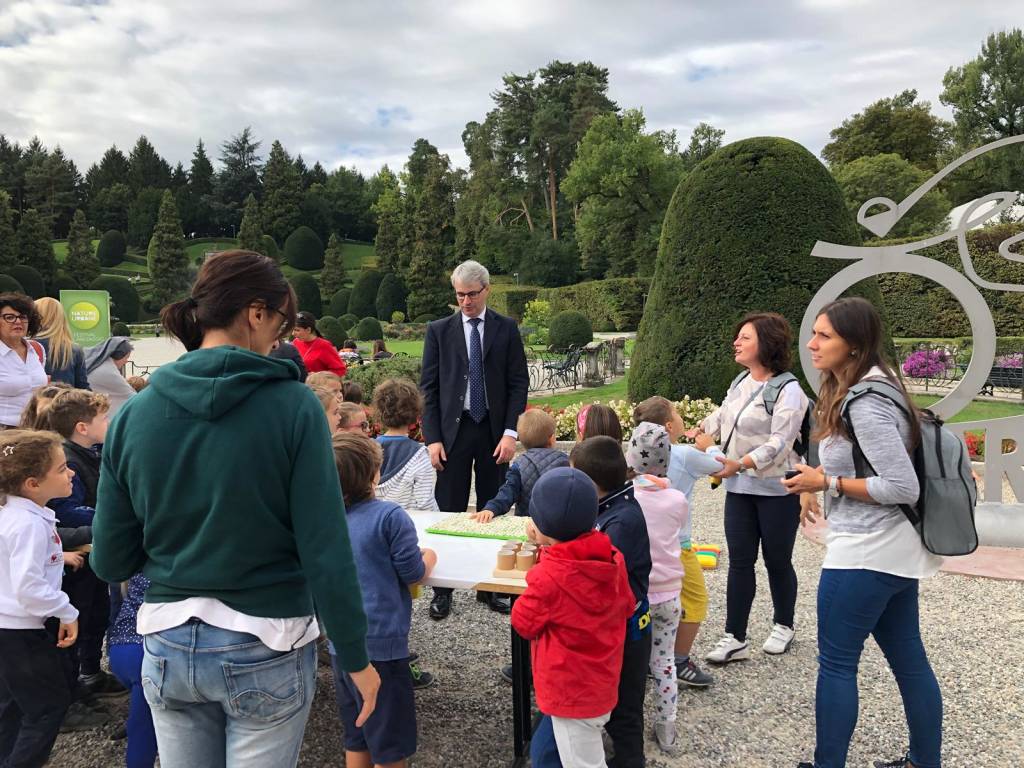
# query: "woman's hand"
(809, 509)
(810, 480)
(703, 441)
(731, 467)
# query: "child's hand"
(74, 560)
(429, 561)
(692, 433)
(483, 516)
(703, 441)
(67, 634)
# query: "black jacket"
(287, 351)
(619, 515)
(446, 371)
(86, 464)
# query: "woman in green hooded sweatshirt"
(218, 483)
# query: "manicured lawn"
(196, 250)
(614, 391)
(60, 249)
(133, 267)
(358, 256)
(978, 409)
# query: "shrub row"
(616, 304)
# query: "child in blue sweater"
(388, 561)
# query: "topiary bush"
(424, 318)
(397, 367)
(124, 299)
(120, 329)
(570, 328)
(615, 304)
(268, 247)
(331, 330)
(308, 293)
(363, 301)
(63, 282)
(510, 300)
(9, 285)
(30, 279)
(391, 295)
(737, 238)
(339, 303)
(368, 329)
(348, 322)
(304, 249)
(112, 248)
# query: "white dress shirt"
(18, 379)
(467, 329)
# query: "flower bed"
(927, 363)
(692, 412)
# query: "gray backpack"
(944, 516)
(772, 390)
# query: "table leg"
(522, 715)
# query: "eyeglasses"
(469, 294)
(11, 318)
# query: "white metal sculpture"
(871, 261)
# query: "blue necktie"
(477, 401)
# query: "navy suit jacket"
(446, 372)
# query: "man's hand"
(437, 456)
(483, 516)
(67, 634)
(506, 450)
(368, 683)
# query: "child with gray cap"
(666, 511)
(574, 612)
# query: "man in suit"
(474, 384)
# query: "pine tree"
(432, 223)
(282, 194)
(332, 278)
(8, 244)
(168, 263)
(250, 234)
(388, 210)
(81, 262)
(34, 245)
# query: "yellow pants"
(694, 594)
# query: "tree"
(333, 275)
(8, 243)
(146, 168)
(113, 169)
(268, 247)
(339, 303)
(35, 248)
(550, 262)
(899, 125)
(432, 243)
(282, 193)
(987, 98)
(315, 211)
(304, 250)
(109, 208)
(737, 237)
(81, 262)
(142, 216)
(891, 176)
(195, 202)
(362, 302)
(308, 294)
(239, 178)
(30, 280)
(389, 213)
(52, 186)
(391, 297)
(621, 182)
(704, 141)
(250, 234)
(350, 209)
(112, 248)
(168, 262)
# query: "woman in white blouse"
(21, 361)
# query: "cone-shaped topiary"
(112, 248)
(737, 238)
(268, 247)
(168, 262)
(570, 328)
(308, 293)
(390, 296)
(332, 278)
(30, 279)
(81, 262)
(363, 302)
(250, 233)
(369, 329)
(348, 322)
(331, 330)
(304, 250)
(339, 302)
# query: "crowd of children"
(617, 597)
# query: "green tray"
(475, 534)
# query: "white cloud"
(356, 83)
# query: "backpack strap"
(39, 351)
(739, 377)
(773, 388)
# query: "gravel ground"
(759, 713)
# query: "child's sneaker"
(420, 678)
(665, 733)
(779, 640)
(690, 674)
(728, 649)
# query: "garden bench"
(1004, 377)
(563, 372)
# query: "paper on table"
(502, 527)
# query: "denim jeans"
(126, 664)
(853, 604)
(222, 698)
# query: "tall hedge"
(304, 249)
(615, 304)
(124, 298)
(391, 297)
(510, 300)
(339, 302)
(112, 248)
(30, 279)
(308, 293)
(268, 247)
(363, 302)
(737, 238)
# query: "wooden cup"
(525, 561)
(506, 560)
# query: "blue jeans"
(126, 664)
(853, 604)
(223, 698)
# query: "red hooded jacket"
(574, 609)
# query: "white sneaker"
(665, 734)
(728, 649)
(779, 640)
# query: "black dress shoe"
(495, 602)
(440, 606)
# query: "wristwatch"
(833, 486)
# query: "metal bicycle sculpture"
(871, 261)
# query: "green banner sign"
(88, 314)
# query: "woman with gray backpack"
(876, 556)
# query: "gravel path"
(759, 713)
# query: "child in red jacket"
(574, 611)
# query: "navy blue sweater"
(619, 515)
(388, 560)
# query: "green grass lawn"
(131, 266)
(978, 409)
(60, 249)
(614, 391)
(358, 256)
(196, 250)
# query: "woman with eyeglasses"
(317, 352)
(22, 362)
(218, 483)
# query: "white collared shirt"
(18, 379)
(467, 329)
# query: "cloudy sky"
(355, 83)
